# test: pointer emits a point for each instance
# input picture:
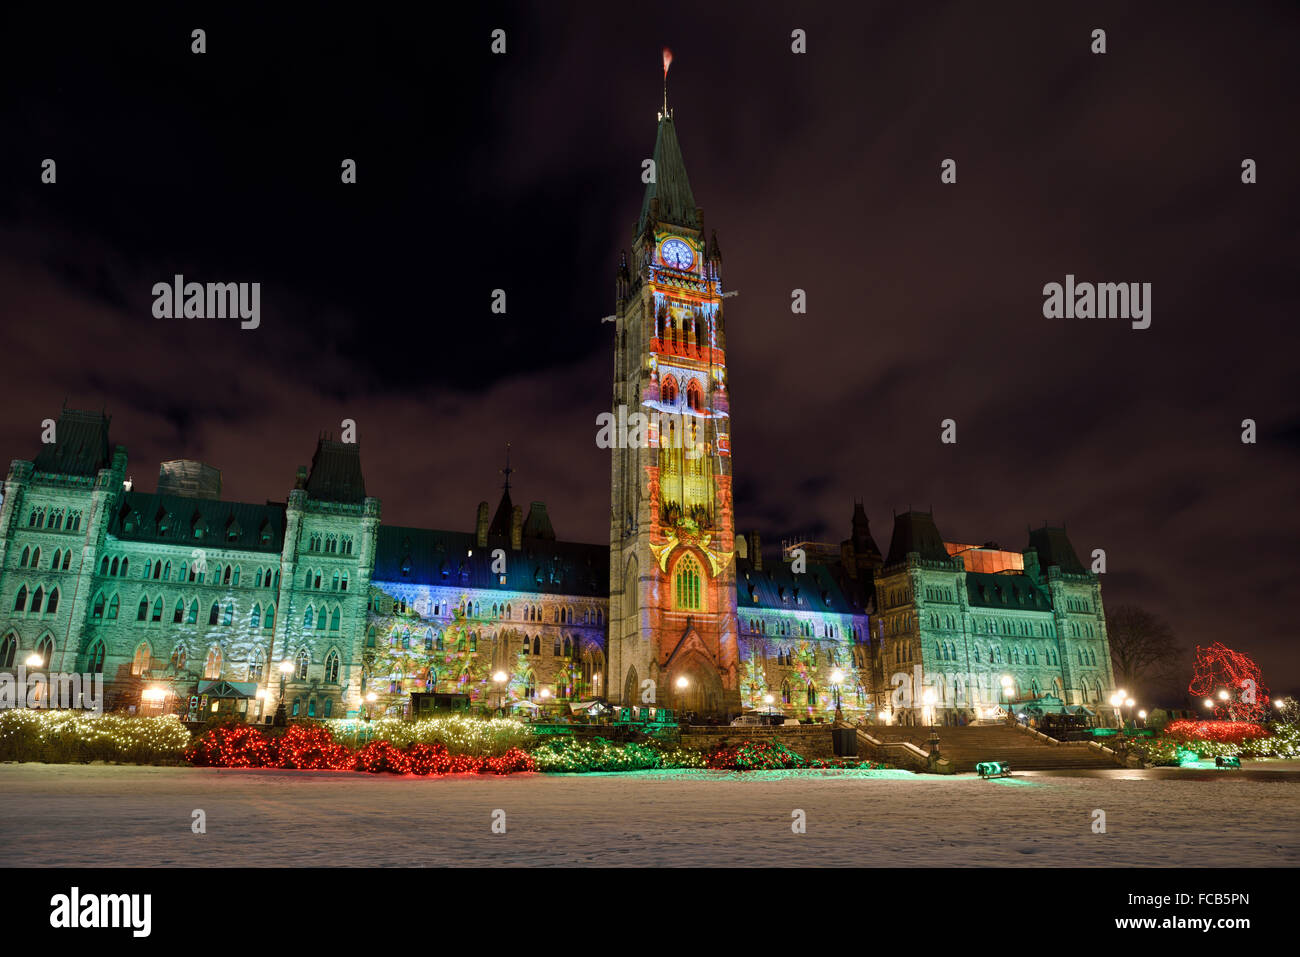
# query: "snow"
(102, 815)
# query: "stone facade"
(943, 625)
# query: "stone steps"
(1023, 751)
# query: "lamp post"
(1008, 688)
(280, 721)
(768, 700)
(836, 677)
(1226, 697)
(501, 678)
(370, 700)
(682, 684)
(1117, 702)
(929, 698)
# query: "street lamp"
(1208, 703)
(1008, 688)
(501, 678)
(929, 698)
(285, 666)
(1117, 702)
(34, 660)
(370, 700)
(836, 677)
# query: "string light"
(1232, 679)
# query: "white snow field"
(100, 815)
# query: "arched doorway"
(696, 687)
(630, 687)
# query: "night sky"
(818, 171)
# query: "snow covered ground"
(101, 815)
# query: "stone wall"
(807, 741)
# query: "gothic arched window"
(686, 584)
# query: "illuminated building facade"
(181, 589)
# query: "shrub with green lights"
(79, 737)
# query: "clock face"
(676, 253)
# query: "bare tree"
(1143, 649)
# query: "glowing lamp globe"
(286, 666)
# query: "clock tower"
(672, 606)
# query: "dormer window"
(265, 533)
(165, 521)
(199, 527)
(233, 531)
(406, 566)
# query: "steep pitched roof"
(500, 526)
(916, 532)
(80, 446)
(336, 473)
(1054, 548)
(171, 519)
(985, 590)
(779, 588)
(428, 557)
(671, 185)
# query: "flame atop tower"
(668, 61)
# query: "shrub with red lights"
(1219, 732)
(753, 756)
(380, 756)
(1219, 669)
(232, 746)
(312, 747)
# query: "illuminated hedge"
(78, 737)
(312, 747)
(1222, 732)
(570, 756)
(1283, 742)
(459, 734)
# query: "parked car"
(747, 721)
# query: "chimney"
(481, 526)
(756, 551)
(517, 529)
(301, 481)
